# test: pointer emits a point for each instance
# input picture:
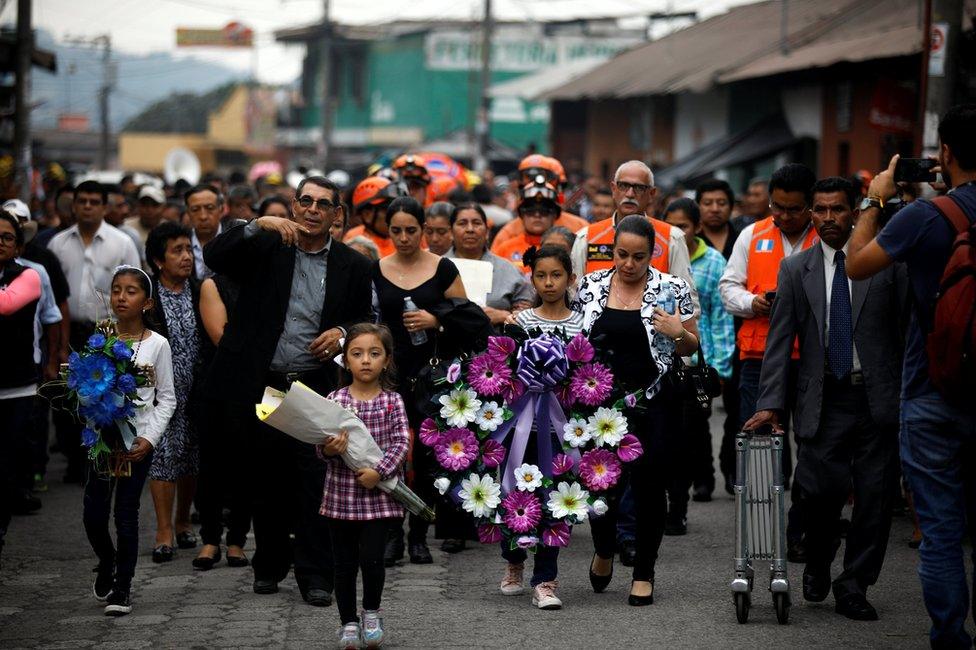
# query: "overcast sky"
(143, 26)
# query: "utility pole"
(942, 23)
(326, 73)
(22, 130)
(103, 41)
(482, 123)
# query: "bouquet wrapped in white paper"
(305, 415)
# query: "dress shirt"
(829, 268)
(89, 269)
(203, 271)
(736, 298)
(47, 309)
(303, 320)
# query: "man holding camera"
(936, 436)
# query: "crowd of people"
(814, 300)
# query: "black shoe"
(453, 545)
(420, 554)
(628, 552)
(676, 526)
(816, 586)
(856, 607)
(796, 552)
(394, 551)
(600, 583)
(265, 587)
(26, 504)
(640, 601)
(237, 561)
(186, 539)
(118, 603)
(702, 494)
(102, 586)
(318, 598)
(729, 485)
(204, 563)
(163, 553)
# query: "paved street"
(46, 602)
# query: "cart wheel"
(781, 602)
(742, 603)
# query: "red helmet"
(375, 190)
(412, 168)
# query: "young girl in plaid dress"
(358, 513)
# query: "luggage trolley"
(760, 520)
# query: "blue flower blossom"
(88, 437)
(126, 383)
(105, 410)
(121, 351)
(93, 375)
(96, 341)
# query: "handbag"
(697, 384)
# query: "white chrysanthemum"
(480, 495)
(608, 426)
(527, 477)
(577, 432)
(490, 416)
(568, 500)
(442, 484)
(459, 407)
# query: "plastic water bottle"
(417, 337)
(665, 298)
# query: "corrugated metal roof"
(748, 38)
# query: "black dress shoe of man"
(318, 598)
(856, 607)
(816, 586)
(265, 587)
(420, 554)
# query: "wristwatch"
(872, 202)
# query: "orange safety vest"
(599, 245)
(513, 249)
(515, 227)
(384, 244)
(765, 254)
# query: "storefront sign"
(450, 50)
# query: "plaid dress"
(386, 419)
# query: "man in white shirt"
(89, 252)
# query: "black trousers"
(849, 450)
(693, 458)
(288, 482)
(731, 402)
(648, 479)
(358, 546)
(98, 506)
(226, 474)
(15, 458)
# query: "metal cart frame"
(760, 520)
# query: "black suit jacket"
(878, 308)
(263, 267)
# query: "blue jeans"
(937, 456)
(544, 568)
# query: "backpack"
(951, 344)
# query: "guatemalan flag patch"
(764, 246)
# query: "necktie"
(840, 353)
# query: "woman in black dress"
(427, 280)
(638, 318)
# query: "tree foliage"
(180, 112)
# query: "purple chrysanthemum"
(599, 469)
(522, 511)
(488, 374)
(591, 384)
(456, 449)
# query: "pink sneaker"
(544, 596)
(512, 582)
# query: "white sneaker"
(544, 596)
(350, 637)
(512, 582)
(372, 631)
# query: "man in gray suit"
(846, 418)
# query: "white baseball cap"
(18, 208)
(153, 193)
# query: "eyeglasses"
(776, 208)
(87, 201)
(638, 188)
(197, 209)
(7, 238)
(325, 205)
